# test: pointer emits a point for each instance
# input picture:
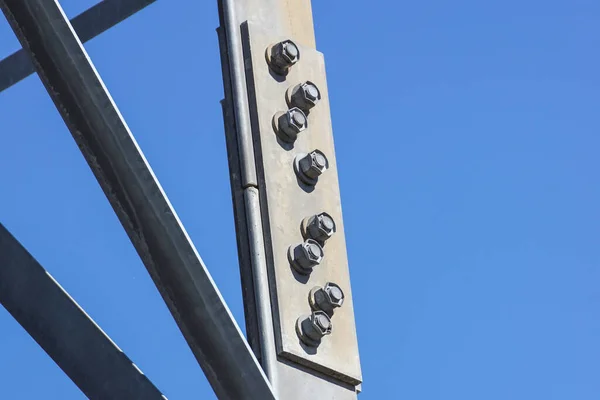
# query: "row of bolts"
(317, 229)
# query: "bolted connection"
(290, 124)
(304, 96)
(327, 298)
(310, 166)
(305, 256)
(314, 164)
(312, 328)
(319, 227)
(282, 56)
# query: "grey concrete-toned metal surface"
(137, 198)
(89, 24)
(239, 208)
(294, 381)
(292, 18)
(286, 201)
(70, 337)
(280, 19)
(234, 75)
(299, 382)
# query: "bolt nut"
(335, 294)
(314, 164)
(282, 56)
(327, 298)
(312, 328)
(305, 256)
(289, 124)
(319, 227)
(309, 167)
(304, 96)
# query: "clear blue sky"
(467, 137)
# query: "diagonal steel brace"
(137, 198)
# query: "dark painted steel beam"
(137, 198)
(69, 336)
(87, 25)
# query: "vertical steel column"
(137, 198)
(254, 94)
(249, 183)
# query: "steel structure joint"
(137, 198)
(295, 180)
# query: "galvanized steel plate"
(285, 201)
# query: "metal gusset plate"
(287, 198)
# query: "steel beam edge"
(64, 331)
(138, 199)
(239, 211)
(89, 24)
(232, 59)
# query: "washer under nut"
(326, 298)
(304, 96)
(309, 167)
(305, 256)
(319, 227)
(312, 328)
(289, 124)
(282, 56)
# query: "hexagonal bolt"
(312, 328)
(290, 123)
(282, 56)
(314, 164)
(326, 298)
(310, 166)
(304, 96)
(305, 256)
(319, 227)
